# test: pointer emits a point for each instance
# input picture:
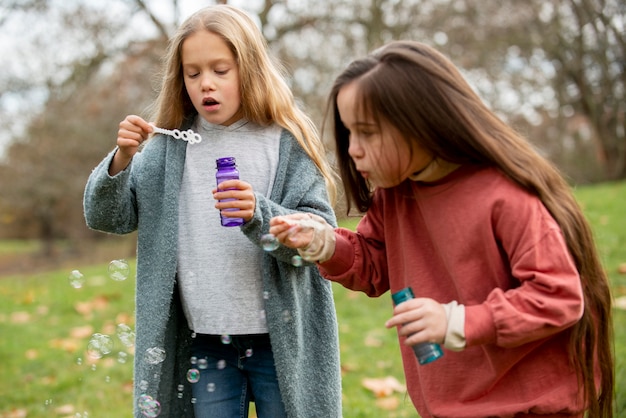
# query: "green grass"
(45, 326)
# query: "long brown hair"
(422, 94)
(266, 97)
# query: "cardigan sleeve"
(109, 202)
(298, 187)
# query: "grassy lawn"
(46, 324)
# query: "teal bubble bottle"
(425, 352)
(227, 170)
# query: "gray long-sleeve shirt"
(145, 197)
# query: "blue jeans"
(234, 373)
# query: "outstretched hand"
(310, 234)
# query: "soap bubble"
(76, 279)
(210, 387)
(226, 339)
(249, 352)
(99, 345)
(193, 375)
(296, 261)
(269, 242)
(122, 357)
(155, 355)
(149, 406)
(203, 363)
(193, 360)
(143, 385)
(119, 270)
(287, 316)
(126, 335)
(221, 364)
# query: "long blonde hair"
(423, 95)
(266, 97)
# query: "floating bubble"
(122, 357)
(210, 387)
(203, 363)
(221, 364)
(143, 386)
(155, 355)
(126, 335)
(266, 295)
(193, 375)
(181, 388)
(269, 242)
(249, 352)
(296, 261)
(149, 406)
(193, 360)
(226, 339)
(119, 270)
(99, 345)
(193, 400)
(76, 279)
(287, 316)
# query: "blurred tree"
(43, 182)
(553, 68)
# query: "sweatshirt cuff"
(341, 260)
(479, 325)
(455, 332)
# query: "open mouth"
(209, 102)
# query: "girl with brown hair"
(460, 207)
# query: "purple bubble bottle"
(227, 170)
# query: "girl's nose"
(208, 83)
(354, 149)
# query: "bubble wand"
(188, 135)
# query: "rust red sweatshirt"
(476, 238)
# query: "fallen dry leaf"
(31, 354)
(68, 344)
(620, 303)
(389, 403)
(383, 386)
(84, 331)
(64, 409)
(15, 413)
(20, 317)
(372, 341)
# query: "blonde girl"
(219, 321)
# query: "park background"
(71, 71)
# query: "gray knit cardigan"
(300, 310)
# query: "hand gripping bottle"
(425, 352)
(227, 170)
